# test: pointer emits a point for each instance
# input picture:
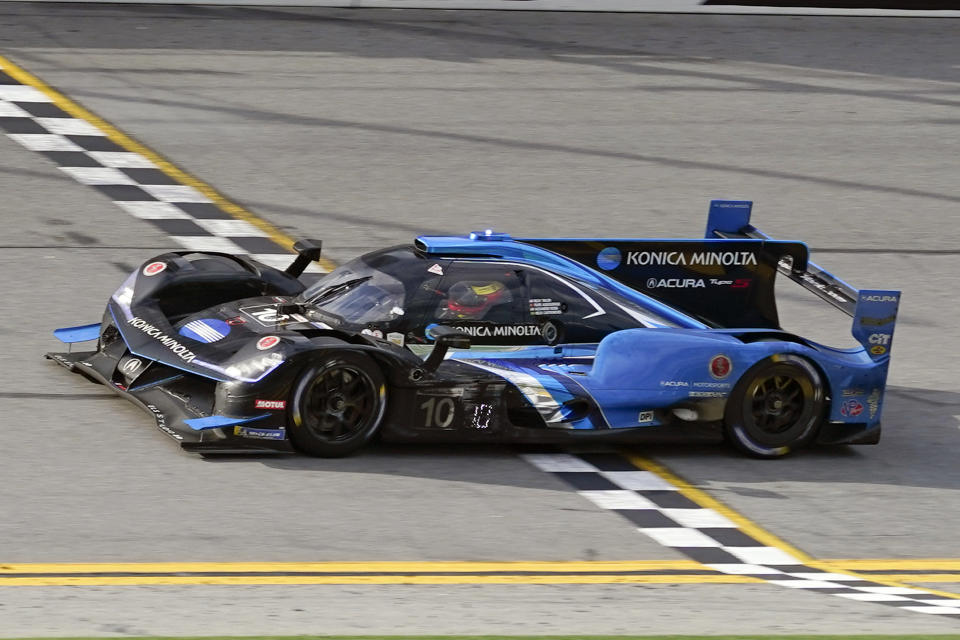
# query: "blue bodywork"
(636, 377)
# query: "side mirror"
(446, 338)
(307, 252)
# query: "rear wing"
(874, 312)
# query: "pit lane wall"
(901, 8)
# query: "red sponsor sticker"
(720, 367)
(235, 321)
(267, 342)
(851, 408)
(270, 404)
(154, 268)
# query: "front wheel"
(776, 407)
(337, 405)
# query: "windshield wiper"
(338, 289)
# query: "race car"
(485, 337)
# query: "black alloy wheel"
(776, 407)
(338, 405)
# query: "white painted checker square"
(762, 555)
(897, 591)
(638, 480)
(10, 110)
(558, 462)
(942, 603)
(615, 499)
(153, 210)
(282, 261)
(69, 126)
(97, 175)
(175, 193)
(206, 243)
(874, 597)
(835, 577)
(745, 569)
(231, 228)
(699, 518)
(44, 141)
(680, 537)
(806, 584)
(22, 93)
(934, 610)
(121, 159)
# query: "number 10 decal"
(440, 412)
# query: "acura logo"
(131, 366)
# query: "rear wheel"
(776, 407)
(338, 405)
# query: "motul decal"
(270, 404)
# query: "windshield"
(369, 289)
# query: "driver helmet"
(471, 300)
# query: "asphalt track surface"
(365, 128)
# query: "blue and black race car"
(486, 337)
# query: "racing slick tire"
(776, 407)
(337, 405)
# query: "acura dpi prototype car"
(486, 337)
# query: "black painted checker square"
(95, 143)
(179, 227)
(896, 603)
(608, 461)
(204, 211)
(731, 537)
(258, 245)
(149, 176)
(670, 499)
(586, 481)
(830, 591)
(6, 79)
(124, 192)
(709, 555)
(647, 518)
(22, 125)
(802, 568)
(789, 568)
(43, 110)
(71, 158)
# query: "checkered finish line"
(132, 181)
(660, 511)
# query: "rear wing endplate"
(731, 219)
(874, 311)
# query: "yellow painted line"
(707, 501)
(347, 567)
(25, 77)
(53, 581)
(894, 564)
(913, 578)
